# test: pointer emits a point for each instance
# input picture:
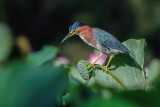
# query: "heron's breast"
(89, 39)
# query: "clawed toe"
(93, 66)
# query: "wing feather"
(109, 41)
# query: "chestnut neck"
(87, 35)
(83, 29)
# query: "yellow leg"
(96, 60)
(110, 58)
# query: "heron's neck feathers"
(84, 29)
(86, 34)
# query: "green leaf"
(46, 54)
(129, 69)
(66, 98)
(6, 42)
(154, 71)
(114, 102)
(25, 86)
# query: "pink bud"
(62, 59)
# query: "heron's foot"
(106, 68)
(93, 66)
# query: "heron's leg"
(96, 60)
(110, 58)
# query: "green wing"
(109, 41)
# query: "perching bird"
(98, 39)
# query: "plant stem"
(116, 78)
(125, 88)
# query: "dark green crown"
(75, 26)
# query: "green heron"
(98, 39)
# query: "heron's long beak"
(68, 36)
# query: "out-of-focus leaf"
(153, 71)
(66, 98)
(140, 97)
(114, 102)
(25, 86)
(6, 42)
(46, 54)
(129, 69)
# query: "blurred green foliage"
(6, 42)
(153, 71)
(33, 81)
(45, 55)
(24, 86)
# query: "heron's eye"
(72, 31)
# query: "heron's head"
(73, 30)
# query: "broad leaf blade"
(6, 42)
(128, 68)
(46, 54)
(154, 71)
(24, 86)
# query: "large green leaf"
(114, 102)
(30, 82)
(154, 71)
(46, 54)
(6, 42)
(129, 69)
(27, 86)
